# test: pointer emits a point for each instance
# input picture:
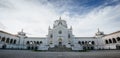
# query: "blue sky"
(81, 6)
(85, 16)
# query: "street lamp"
(24, 41)
(19, 43)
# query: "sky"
(35, 16)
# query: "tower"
(99, 33)
(99, 39)
(21, 36)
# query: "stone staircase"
(60, 49)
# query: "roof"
(113, 33)
(84, 37)
(8, 33)
(36, 37)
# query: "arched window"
(31, 42)
(11, 41)
(34, 42)
(106, 41)
(79, 42)
(114, 41)
(37, 42)
(92, 42)
(82, 42)
(27, 42)
(85, 42)
(118, 38)
(14, 42)
(7, 41)
(40, 42)
(3, 39)
(110, 41)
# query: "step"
(60, 48)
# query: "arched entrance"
(28, 47)
(4, 46)
(118, 46)
(60, 41)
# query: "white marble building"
(60, 35)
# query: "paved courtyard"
(32, 54)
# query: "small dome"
(99, 33)
(21, 33)
(60, 22)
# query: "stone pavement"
(32, 54)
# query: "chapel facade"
(60, 36)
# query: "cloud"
(34, 16)
(107, 19)
(30, 16)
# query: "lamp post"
(24, 41)
(19, 43)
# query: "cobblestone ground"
(32, 54)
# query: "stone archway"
(118, 46)
(4, 46)
(60, 41)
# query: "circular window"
(60, 32)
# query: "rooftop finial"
(60, 18)
(21, 30)
(98, 30)
(49, 28)
(71, 28)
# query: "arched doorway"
(14, 42)
(60, 41)
(118, 46)
(4, 46)
(3, 39)
(7, 41)
(114, 41)
(28, 47)
(92, 48)
(11, 41)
